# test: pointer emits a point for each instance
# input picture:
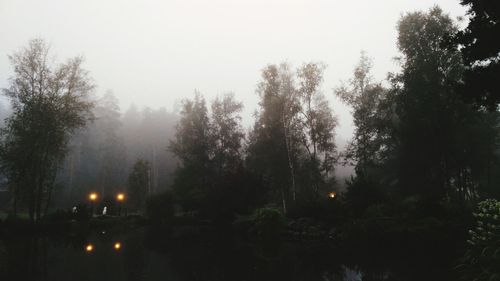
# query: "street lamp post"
(120, 197)
(92, 198)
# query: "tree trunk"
(283, 200)
(49, 196)
(290, 160)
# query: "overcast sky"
(153, 53)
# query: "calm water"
(146, 254)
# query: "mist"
(155, 53)
(249, 140)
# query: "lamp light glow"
(120, 197)
(89, 248)
(93, 196)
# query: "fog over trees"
(413, 130)
(103, 154)
(423, 162)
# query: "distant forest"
(101, 154)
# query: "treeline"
(102, 154)
(288, 157)
(418, 139)
(60, 142)
(421, 145)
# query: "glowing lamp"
(332, 194)
(118, 246)
(93, 196)
(89, 248)
(120, 197)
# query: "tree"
(481, 52)
(209, 147)
(272, 148)
(139, 184)
(226, 133)
(293, 136)
(144, 134)
(49, 103)
(193, 146)
(435, 127)
(110, 145)
(4, 113)
(318, 126)
(366, 98)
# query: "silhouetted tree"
(435, 127)
(293, 136)
(193, 146)
(110, 145)
(139, 184)
(317, 129)
(226, 133)
(274, 140)
(365, 98)
(49, 103)
(481, 52)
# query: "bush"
(267, 223)
(483, 257)
(59, 216)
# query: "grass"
(24, 216)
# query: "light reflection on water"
(151, 255)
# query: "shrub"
(483, 257)
(267, 222)
(59, 216)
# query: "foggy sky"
(153, 53)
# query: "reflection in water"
(25, 258)
(142, 254)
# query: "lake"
(145, 253)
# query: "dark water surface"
(147, 254)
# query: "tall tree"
(139, 184)
(294, 133)
(272, 149)
(227, 133)
(193, 145)
(111, 146)
(49, 103)
(365, 97)
(426, 103)
(318, 126)
(481, 52)
(435, 127)
(4, 113)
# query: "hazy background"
(154, 53)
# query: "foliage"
(226, 134)
(419, 138)
(370, 119)
(49, 103)
(211, 178)
(267, 222)
(481, 54)
(139, 184)
(482, 258)
(102, 154)
(292, 142)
